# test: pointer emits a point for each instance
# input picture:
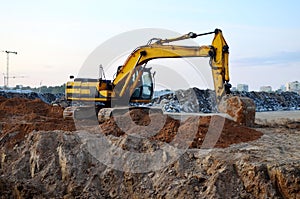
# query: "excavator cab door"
(144, 90)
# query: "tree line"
(43, 89)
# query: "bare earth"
(293, 115)
(43, 156)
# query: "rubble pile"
(273, 101)
(197, 100)
(45, 97)
(191, 100)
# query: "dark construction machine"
(133, 82)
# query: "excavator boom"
(218, 52)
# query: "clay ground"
(43, 156)
(20, 116)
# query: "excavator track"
(104, 114)
(80, 112)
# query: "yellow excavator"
(133, 82)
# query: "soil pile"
(21, 116)
(230, 131)
(43, 156)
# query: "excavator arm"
(218, 53)
(241, 109)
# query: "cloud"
(284, 57)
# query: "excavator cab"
(144, 89)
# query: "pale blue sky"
(53, 38)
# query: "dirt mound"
(20, 116)
(59, 164)
(22, 106)
(231, 132)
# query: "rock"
(241, 109)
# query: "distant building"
(282, 88)
(233, 89)
(20, 86)
(293, 86)
(265, 89)
(242, 87)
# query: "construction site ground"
(40, 156)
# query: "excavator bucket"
(241, 109)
